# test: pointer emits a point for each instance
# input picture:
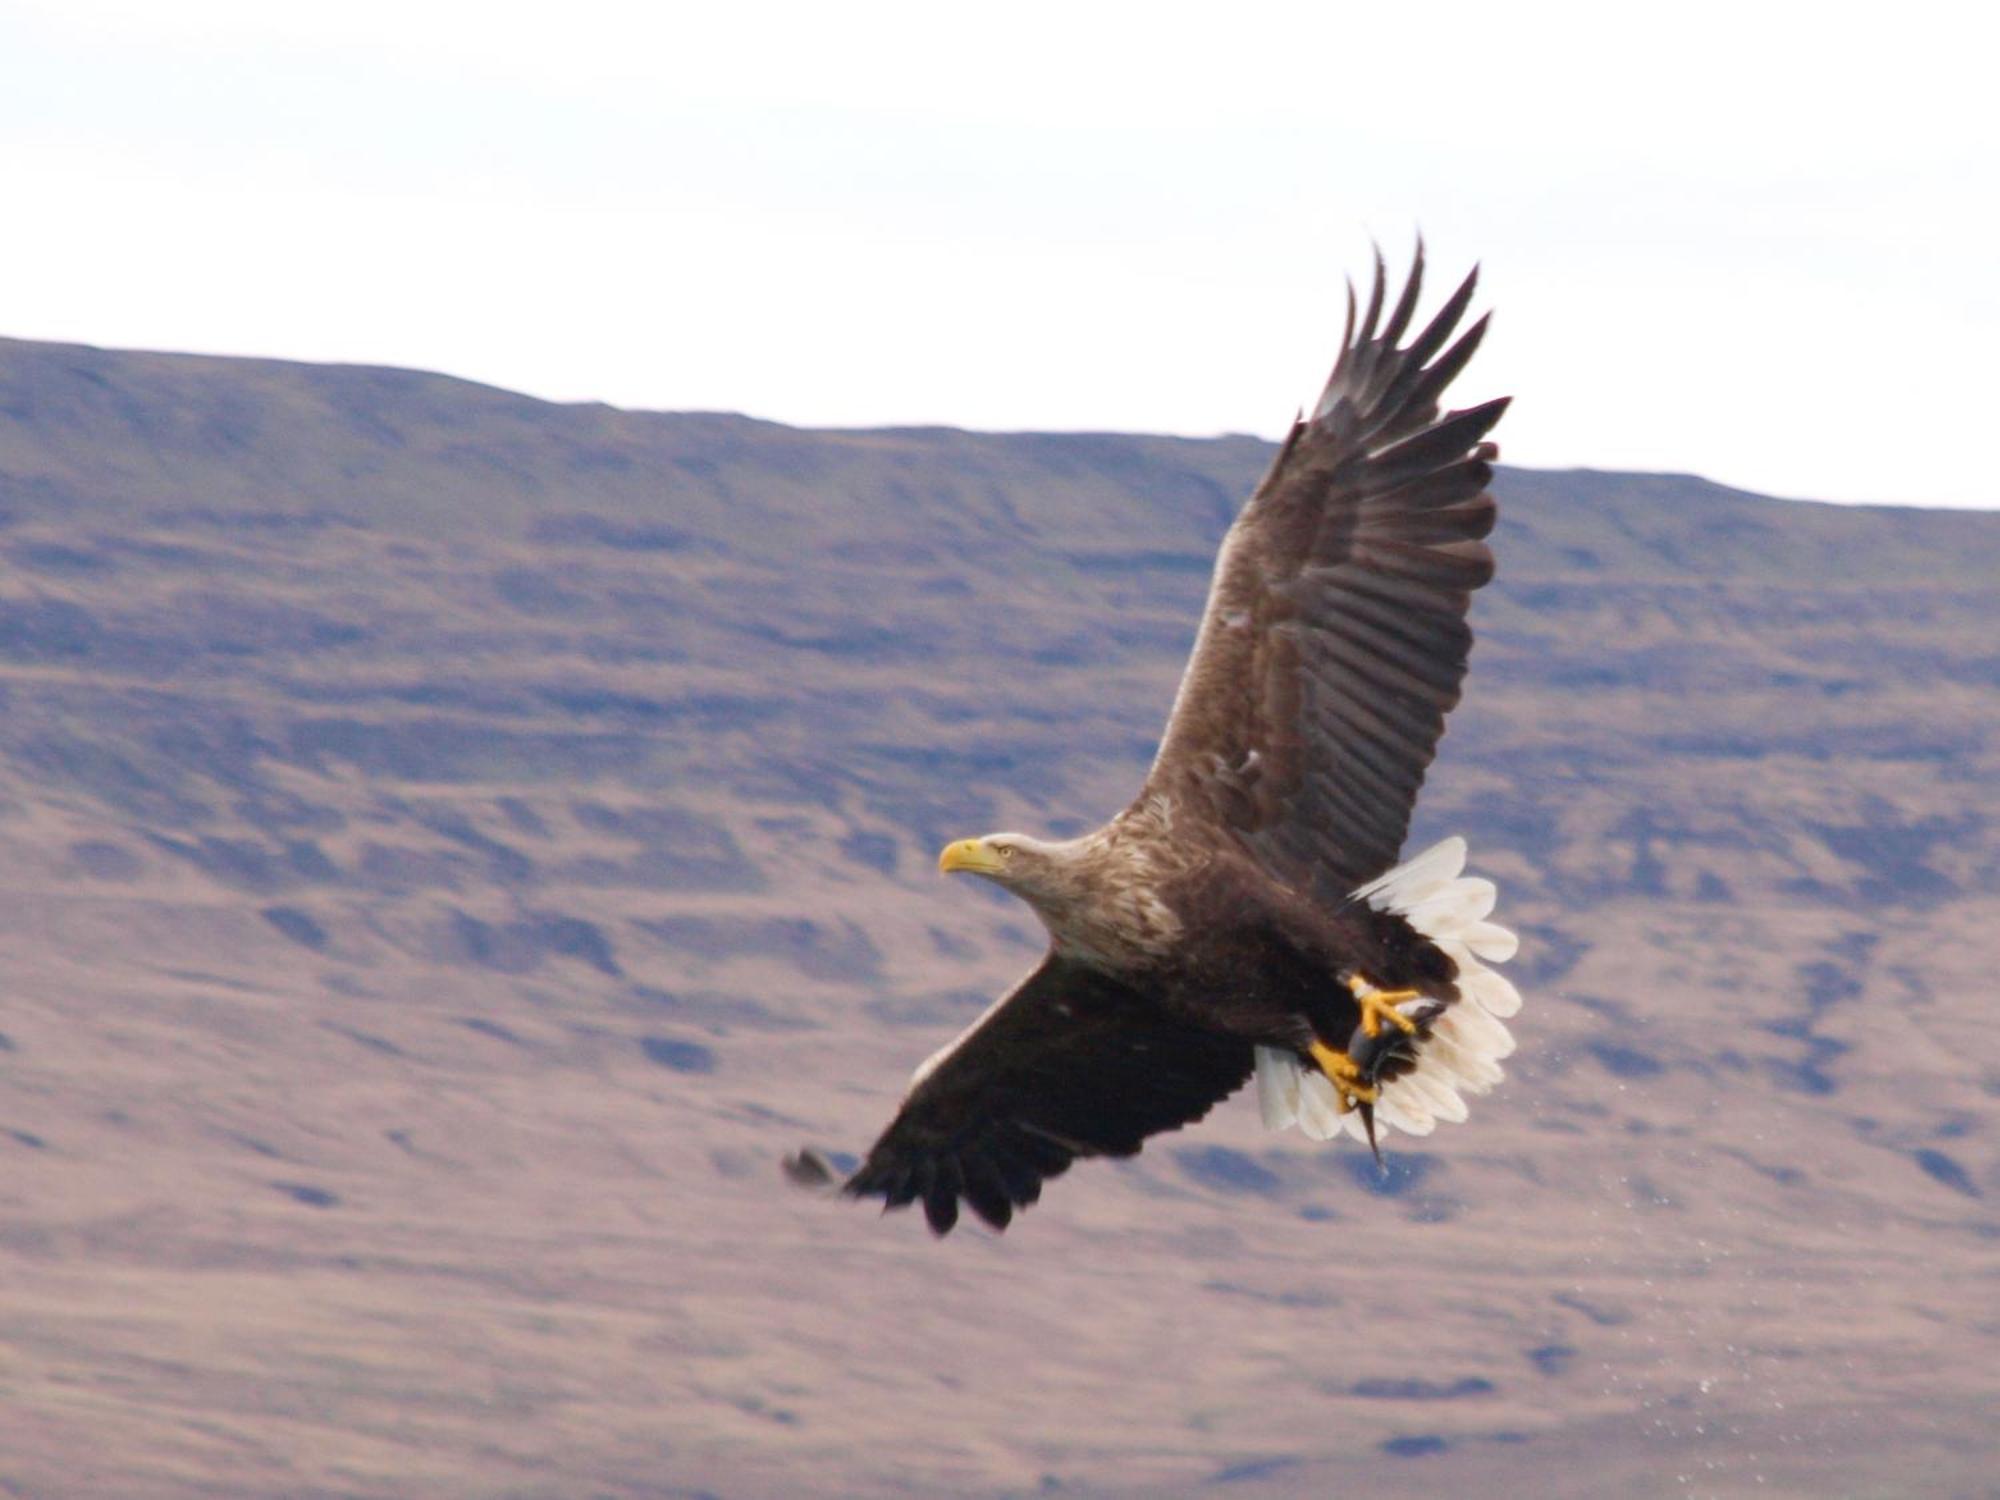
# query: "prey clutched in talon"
(1344, 1073)
(1356, 1074)
(1352, 1088)
(1378, 1005)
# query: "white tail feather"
(1494, 991)
(1319, 1107)
(1414, 878)
(1462, 1055)
(1490, 941)
(1277, 1090)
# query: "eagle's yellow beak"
(975, 855)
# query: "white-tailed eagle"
(1246, 913)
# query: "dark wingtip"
(808, 1168)
(941, 1213)
(1380, 290)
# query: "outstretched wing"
(1335, 637)
(1070, 1063)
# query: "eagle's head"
(1029, 867)
(1092, 893)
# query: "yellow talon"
(1345, 1075)
(1377, 1004)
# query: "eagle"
(1246, 914)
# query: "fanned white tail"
(1462, 1055)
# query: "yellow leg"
(1378, 1005)
(1345, 1075)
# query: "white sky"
(1757, 242)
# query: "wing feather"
(1071, 1063)
(1335, 639)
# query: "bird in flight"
(1246, 914)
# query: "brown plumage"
(1215, 927)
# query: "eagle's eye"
(1006, 852)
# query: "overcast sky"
(1753, 242)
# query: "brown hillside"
(453, 845)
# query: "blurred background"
(459, 829)
(1746, 242)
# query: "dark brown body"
(1260, 962)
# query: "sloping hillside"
(452, 844)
